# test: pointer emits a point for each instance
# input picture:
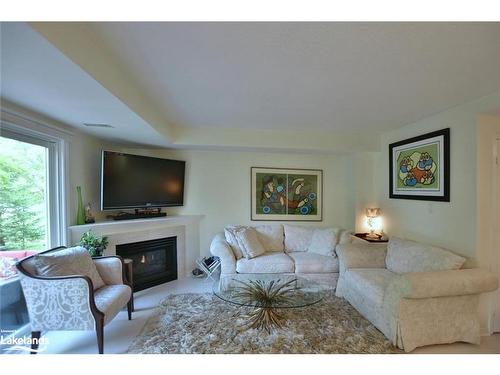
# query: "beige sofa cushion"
(230, 235)
(409, 256)
(111, 299)
(249, 243)
(297, 238)
(267, 263)
(314, 263)
(323, 242)
(370, 283)
(345, 237)
(66, 262)
(271, 236)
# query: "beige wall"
(84, 170)
(218, 186)
(451, 225)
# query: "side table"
(364, 237)
(129, 275)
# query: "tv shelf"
(129, 216)
(139, 214)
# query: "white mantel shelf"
(167, 220)
(184, 227)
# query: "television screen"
(133, 181)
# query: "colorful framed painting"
(419, 167)
(287, 194)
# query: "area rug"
(202, 323)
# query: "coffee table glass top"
(269, 291)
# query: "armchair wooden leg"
(35, 337)
(130, 307)
(100, 334)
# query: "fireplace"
(154, 261)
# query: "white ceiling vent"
(91, 125)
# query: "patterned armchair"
(70, 302)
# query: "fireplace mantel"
(184, 227)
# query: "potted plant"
(95, 245)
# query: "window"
(24, 213)
(32, 204)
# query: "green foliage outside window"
(23, 214)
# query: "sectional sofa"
(415, 294)
(289, 250)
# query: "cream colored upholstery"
(70, 302)
(266, 263)
(314, 263)
(311, 258)
(71, 261)
(221, 248)
(417, 308)
(110, 270)
(371, 283)
(410, 256)
(249, 243)
(110, 299)
(271, 236)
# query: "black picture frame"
(442, 138)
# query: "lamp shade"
(372, 212)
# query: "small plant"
(95, 245)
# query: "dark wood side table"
(363, 236)
(129, 274)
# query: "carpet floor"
(202, 323)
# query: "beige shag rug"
(202, 323)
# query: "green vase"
(80, 215)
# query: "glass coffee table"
(267, 295)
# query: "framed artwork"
(419, 167)
(286, 194)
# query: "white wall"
(84, 171)
(451, 225)
(218, 186)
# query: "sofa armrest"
(443, 283)
(361, 256)
(110, 269)
(219, 247)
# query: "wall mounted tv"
(133, 181)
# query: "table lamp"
(373, 221)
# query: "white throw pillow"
(297, 238)
(230, 234)
(323, 242)
(271, 237)
(66, 262)
(345, 237)
(249, 243)
(410, 256)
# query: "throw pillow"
(230, 234)
(345, 237)
(323, 242)
(249, 243)
(271, 237)
(8, 267)
(410, 256)
(297, 238)
(66, 262)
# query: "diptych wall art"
(286, 194)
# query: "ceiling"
(332, 76)
(38, 76)
(283, 77)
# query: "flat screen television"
(133, 181)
